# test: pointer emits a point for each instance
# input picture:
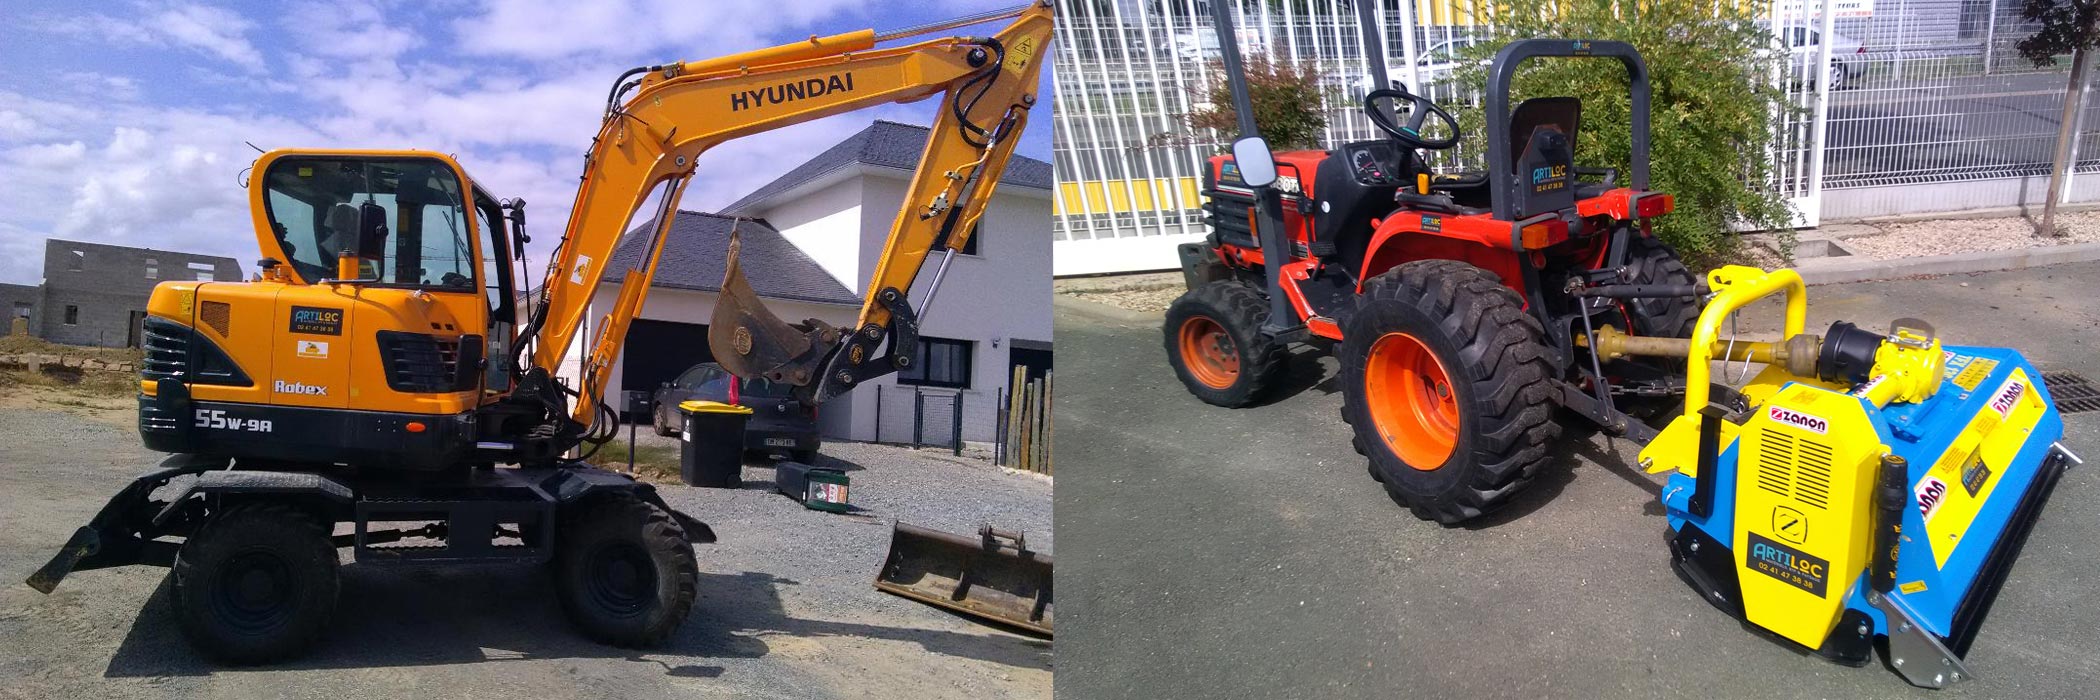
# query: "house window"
(77, 262)
(976, 232)
(942, 362)
(72, 315)
(152, 268)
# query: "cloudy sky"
(125, 121)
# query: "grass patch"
(92, 384)
(653, 462)
(28, 344)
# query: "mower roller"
(1861, 485)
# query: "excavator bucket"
(993, 575)
(750, 341)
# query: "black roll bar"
(1501, 167)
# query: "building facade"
(95, 294)
(810, 242)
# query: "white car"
(1848, 57)
(1202, 44)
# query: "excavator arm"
(657, 125)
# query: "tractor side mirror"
(1257, 166)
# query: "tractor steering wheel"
(1418, 112)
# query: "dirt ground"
(786, 609)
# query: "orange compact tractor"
(1459, 303)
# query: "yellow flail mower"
(1861, 485)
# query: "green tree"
(1286, 100)
(2067, 27)
(1711, 112)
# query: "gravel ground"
(1916, 239)
(786, 608)
(1151, 291)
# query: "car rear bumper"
(763, 439)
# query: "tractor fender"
(576, 481)
(227, 481)
(1401, 239)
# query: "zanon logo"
(2008, 397)
(789, 92)
(1798, 420)
(284, 387)
(1931, 492)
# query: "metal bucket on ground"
(992, 576)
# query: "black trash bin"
(711, 448)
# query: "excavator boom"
(657, 126)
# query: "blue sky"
(124, 122)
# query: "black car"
(779, 423)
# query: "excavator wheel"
(624, 570)
(1214, 340)
(1446, 383)
(256, 584)
(1653, 262)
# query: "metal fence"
(1888, 93)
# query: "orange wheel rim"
(1412, 402)
(1209, 353)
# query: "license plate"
(780, 442)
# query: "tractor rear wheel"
(256, 584)
(1653, 262)
(1214, 340)
(624, 570)
(1446, 383)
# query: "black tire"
(624, 570)
(1227, 313)
(663, 425)
(256, 584)
(1499, 381)
(1653, 262)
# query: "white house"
(810, 243)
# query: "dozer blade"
(993, 575)
(750, 341)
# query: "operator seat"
(1470, 189)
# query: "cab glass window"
(403, 218)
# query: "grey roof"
(697, 249)
(885, 144)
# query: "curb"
(1843, 271)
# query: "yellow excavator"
(391, 365)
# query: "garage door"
(657, 351)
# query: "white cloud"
(347, 29)
(203, 28)
(660, 30)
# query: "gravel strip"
(1952, 236)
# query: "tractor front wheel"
(1446, 383)
(1214, 340)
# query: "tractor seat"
(1466, 189)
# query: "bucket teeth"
(750, 341)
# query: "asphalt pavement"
(1215, 553)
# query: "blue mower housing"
(1827, 520)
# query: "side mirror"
(1257, 166)
(371, 231)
